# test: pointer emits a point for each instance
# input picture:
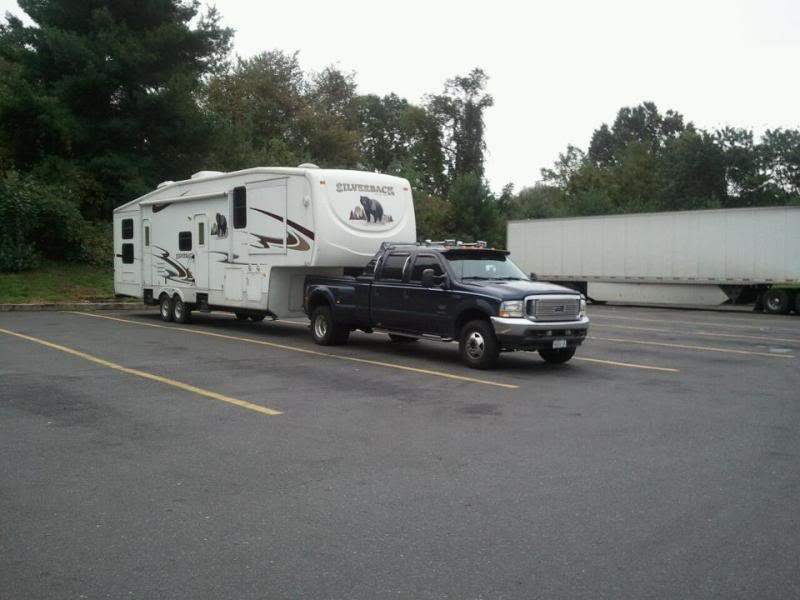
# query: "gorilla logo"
(372, 209)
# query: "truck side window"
(393, 267)
(127, 229)
(239, 207)
(185, 240)
(127, 254)
(425, 262)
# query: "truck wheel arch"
(318, 298)
(467, 315)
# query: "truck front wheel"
(478, 346)
(324, 330)
(556, 357)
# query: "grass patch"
(57, 282)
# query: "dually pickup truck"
(463, 292)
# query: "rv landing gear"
(166, 308)
(181, 313)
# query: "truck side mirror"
(534, 277)
(427, 278)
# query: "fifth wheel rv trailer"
(244, 241)
(690, 257)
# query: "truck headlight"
(583, 308)
(512, 308)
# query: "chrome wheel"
(320, 326)
(475, 345)
(178, 308)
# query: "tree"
(459, 114)
(473, 211)
(116, 83)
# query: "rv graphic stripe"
(289, 222)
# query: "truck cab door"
(428, 309)
(387, 293)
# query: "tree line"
(102, 100)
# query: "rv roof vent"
(164, 184)
(202, 174)
(307, 166)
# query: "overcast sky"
(557, 69)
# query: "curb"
(72, 306)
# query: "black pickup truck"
(449, 292)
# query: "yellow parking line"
(625, 364)
(145, 375)
(688, 347)
(308, 351)
(762, 338)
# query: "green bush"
(18, 214)
(39, 220)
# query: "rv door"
(147, 257)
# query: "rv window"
(201, 234)
(239, 207)
(185, 240)
(146, 236)
(393, 267)
(127, 229)
(127, 253)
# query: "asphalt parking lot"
(220, 459)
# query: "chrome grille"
(560, 308)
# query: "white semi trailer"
(244, 241)
(693, 257)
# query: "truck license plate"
(559, 344)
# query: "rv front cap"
(360, 187)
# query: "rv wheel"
(240, 316)
(166, 308)
(180, 311)
(257, 318)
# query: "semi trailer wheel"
(777, 301)
(165, 308)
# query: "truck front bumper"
(525, 334)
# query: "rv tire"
(181, 313)
(257, 318)
(324, 330)
(240, 316)
(165, 308)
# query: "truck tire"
(478, 345)
(777, 301)
(240, 316)
(324, 330)
(557, 357)
(181, 313)
(165, 308)
(402, 339)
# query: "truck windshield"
(475, 265)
